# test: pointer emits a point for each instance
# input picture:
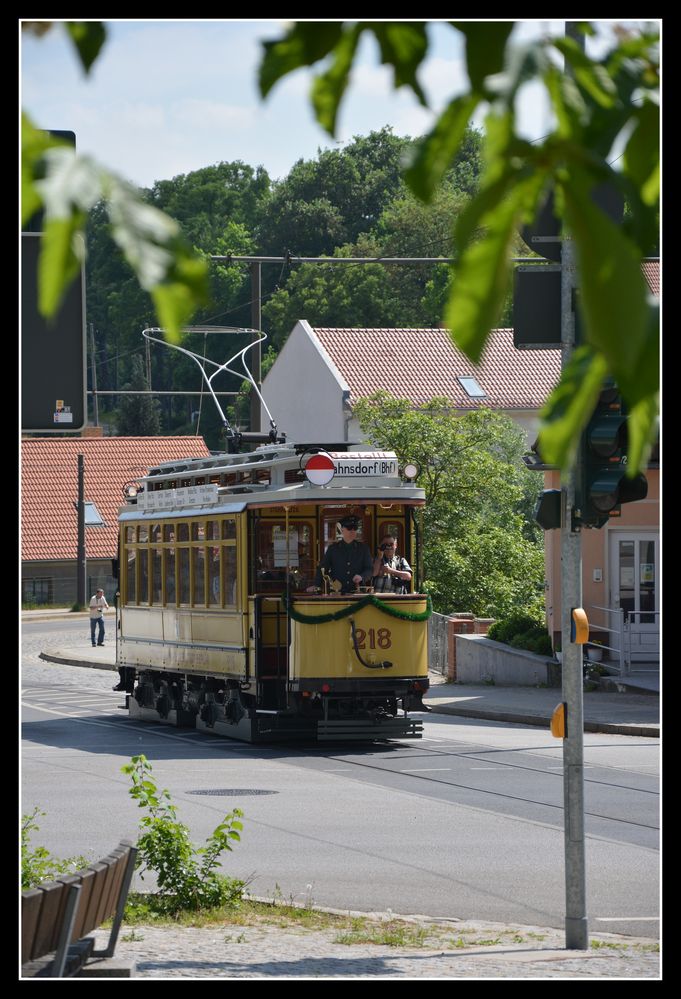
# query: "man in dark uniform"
(349, 560)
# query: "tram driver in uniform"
(348, 560)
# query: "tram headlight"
(411, 470)
(132, 489)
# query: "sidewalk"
(634, 711)
(433, 949)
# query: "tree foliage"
(376, 295)
(596, 102)
(482, 551)
(138, 415)
(329, 201)
(358, 199)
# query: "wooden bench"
(57, 917)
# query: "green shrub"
(37, 863)
(536, 640)
(507, 628)
(187, 877)
(522, 631)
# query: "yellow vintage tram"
(216, 626)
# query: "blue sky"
(166, 97)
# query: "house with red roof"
(321, 373)
(49, 507)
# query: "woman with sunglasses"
(392, 572)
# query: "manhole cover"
(231, 791)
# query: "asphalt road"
(466, 823)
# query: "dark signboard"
(53, 383)
(53, 352)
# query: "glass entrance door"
(634, 589)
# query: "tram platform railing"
(438, 643)
(619, 649)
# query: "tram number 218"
(378, 638)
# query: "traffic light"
(548, 509)
(602, 482)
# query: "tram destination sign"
(365, 464)
(168, 499)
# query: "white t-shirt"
(97, 606)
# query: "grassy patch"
(139, 911)
(389, 934)
(351, 930)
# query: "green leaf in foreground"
(568, 408)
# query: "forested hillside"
(346, 202)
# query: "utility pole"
(576, 927)
(256, 357)
(81, 565)
(94, 376)
(147, 347)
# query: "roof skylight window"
(471, 387)
(93, 517)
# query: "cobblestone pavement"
(470, 950)
(38, 671)
(272, 952)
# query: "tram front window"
(281, 555)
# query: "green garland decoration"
(357, 606)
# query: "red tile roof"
(49, 487)
(418, 364)
(651, 272)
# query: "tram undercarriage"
(228, 708)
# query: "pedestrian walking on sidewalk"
(98, 605)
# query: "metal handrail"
(633, 614)
(619, 630)
(624, 632)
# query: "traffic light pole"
(576, 930)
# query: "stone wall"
(480, 660)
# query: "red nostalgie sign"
(320, 469)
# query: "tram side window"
(156, 576)
(170, 575)
(198, 567)
(229, 575)
(143, 554)
(214, 577)
(184, 578)
(131, 588)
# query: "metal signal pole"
(576, 927)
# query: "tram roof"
(368, 476)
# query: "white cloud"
(166, 97)
(200, 114)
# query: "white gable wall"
(305, 392)
(308, 396)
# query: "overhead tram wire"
(287, 260)
(290, 259)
